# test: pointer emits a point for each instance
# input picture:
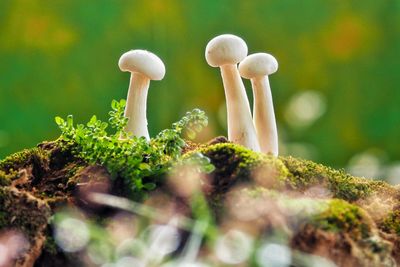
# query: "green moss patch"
(306, 173)
(4, 179)
(342, 216)
(44, 171)
(234, 163)
(33, 156)
(391, 224)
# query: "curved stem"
(136, 105)
(240, 126)
(264, 116)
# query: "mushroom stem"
(136, 105)
(257, 67)
(226, 51)
(143, 66)
(264, 115)
(240, 127)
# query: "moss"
(382, 188)
(34, 156)
(21, 211)
(7, 178)
(306, 174)
(230, 150)
(327, 214)
(349, 223)
(341, 216)
(234, 163)
(334, 215)
(4, 179)
(391, 224)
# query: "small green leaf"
(70, 121)
(122, 103)
(60, 121)
(114, 104)
(133, 159)
(144, 166)
(93, 120)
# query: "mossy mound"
(330, 228)
(235, 163)
(354, 215)
(323, 211)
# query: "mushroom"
(144, 66)
(257, 67)
(225, 51)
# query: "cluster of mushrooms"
(225, 51)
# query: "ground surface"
(348, 220)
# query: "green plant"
(133, 159)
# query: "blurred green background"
(336, 94)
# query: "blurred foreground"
(250, 210)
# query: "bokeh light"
(71, 234)
(12, 245)
(393, 173)
(185, 264)
(234, 247)
(163, 239)
(274, 255)
(305, 108)
(129, 262)
(131, 247)
(100, 252)
(366, 164)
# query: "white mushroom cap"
(225, 49)
(143, 62)
(258, 65)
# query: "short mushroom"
(225, 51)
(257, 67)
(144, 66)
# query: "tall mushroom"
(257, 67)
(144, 66)
(225, 51)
